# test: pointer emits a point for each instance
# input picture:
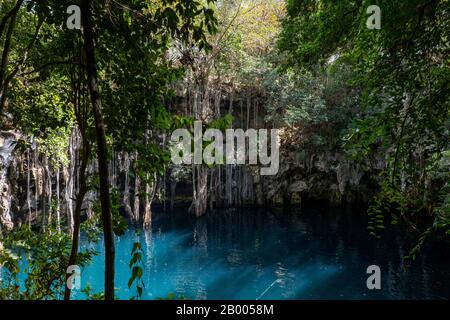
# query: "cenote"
(317, 253)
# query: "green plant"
(135, 266)
(42, 258)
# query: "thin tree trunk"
(229, 167)
(68, 180)
(77, 214)
(102, 152)
(137, 190)
(212, 196)
(36, 183)
(29, 187)
(126, 191)
(7, 16)
(44, 193)
(6, 52)
(7, 45)
(173, 188)
(7, 80)
(248, 112)
(50, 193)
(58, 204)
(219, 187)
(150, 192)
(200, 202)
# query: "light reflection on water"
(231, 254)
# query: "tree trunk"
(8, 15)
(150, 191)
(137, 190)
(36, 183)
(29, 187)
(49, 192)
(68, 181)
(58, 205)
(126, 192)
(77, 214)
(102, 153)
(212, 195)
(44, 193)
(259, 193)
(173, 188)
(6, 51)
(200, 202)
(229, 185)
(7, 45)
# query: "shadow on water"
(315, 253)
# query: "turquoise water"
(246, 254)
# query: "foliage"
(294, 99)
(173, 296)
(136, 270)
(90, 295)
(402, 72)
(43, 258)
(119, 224)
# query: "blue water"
(246, 254)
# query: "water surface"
(247, 254)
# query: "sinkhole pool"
(251, 254)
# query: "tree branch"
(9, 15)
(53, 63)
(7, 45)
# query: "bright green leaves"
(388, 200)
(210, 19)
(221, 123)
(314, 30)
(94, 225)
(187, 21)
(171, 17)
(152, 160)
(135, 266)
(136, 76)
(295, 99)
(119, 223)
(363, 139)
(401, 74)
(46, 254)
(182, 122)
(44, 115)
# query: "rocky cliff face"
(326, 176)
(8, 167)
(31, 190)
